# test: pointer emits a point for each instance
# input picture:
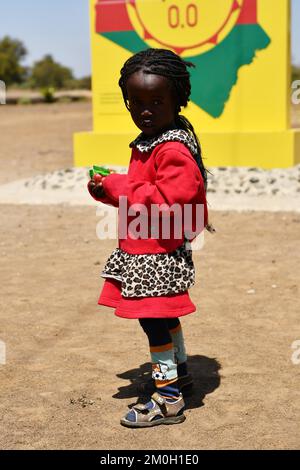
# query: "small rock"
(83, 401)
(251, 291)
(274, 286)
(254, 180)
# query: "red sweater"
(167, 175)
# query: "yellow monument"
(241, 91)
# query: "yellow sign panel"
(185, 26)
(240, 101)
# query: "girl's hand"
(95, 186)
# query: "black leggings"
(157, 329)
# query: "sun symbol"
(185, 26)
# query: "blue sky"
(58, 27)
(296, 31)
(61, 27)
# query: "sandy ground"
(71, 366)
(37, 139)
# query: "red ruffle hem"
(167, 306)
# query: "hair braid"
(169, 65)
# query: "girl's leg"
(164, 367)
(166, 405)
(175, 330)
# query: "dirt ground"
(38, 139)
(72, 366)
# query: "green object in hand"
(99, 170)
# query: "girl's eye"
(157, 102)
(133, 102)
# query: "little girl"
(148, 277)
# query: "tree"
(48, 73)
(12, 52)
(84, 83)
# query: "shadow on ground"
(205, 372)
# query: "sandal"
(184, 383)
(155, 412)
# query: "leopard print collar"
(144, 144)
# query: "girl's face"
(151, 102)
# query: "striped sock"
(179, 349)
(164, 371)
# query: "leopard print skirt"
(151, 275)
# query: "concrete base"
(260, 149)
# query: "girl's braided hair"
(170, 65)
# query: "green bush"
(84, 83)
(47, 73)
(65, 100)
(48, 95)
(295, 72)
(24, 100)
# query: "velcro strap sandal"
(157, 411)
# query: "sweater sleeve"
(178, 180)
(114, 186)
